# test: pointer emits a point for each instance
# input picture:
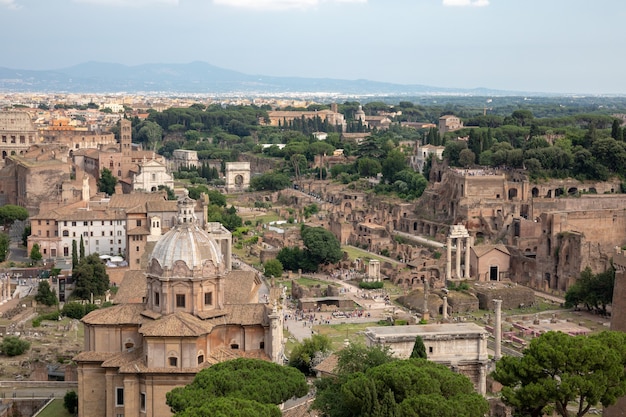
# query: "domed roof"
(187, 242)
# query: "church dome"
(187, 242)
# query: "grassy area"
(354, 253)
(338, 333)
(55, 409)
(312, 282)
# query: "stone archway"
(237, 176)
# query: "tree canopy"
(321, 245)
(10, 213)
(558, 369)
(45, 295)
(237, 388)
(412, 388)
(106, 182)
(595, 291)
(309, 353)
(90, 277)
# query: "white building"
(151, 174)
(460, 346)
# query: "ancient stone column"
(468, 245)
(498, 330)
(459, 249)
(448, 259)
(482, 383)
(445, 307)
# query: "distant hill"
(199, 78)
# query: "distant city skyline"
(551, 46)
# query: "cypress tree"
(74, 254)
(82, 249)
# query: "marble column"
(482, 383)
(445, 308)
(448, 259)
(498, 330)
(468, 245)
(459, 249)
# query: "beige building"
(489, 262)
(187, 311)
(462, 347)
(282, 118)
(17, 133)
(449, 123)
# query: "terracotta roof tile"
(179, 324)
(117, 314)
(132, 289)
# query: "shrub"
(70, 402)
(74, 310)
(13, 346)
(371, 285)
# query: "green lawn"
(354, 253)
(338, 333)
(55, 409)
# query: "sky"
(552, 46)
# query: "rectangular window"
(66, 251)
(173, 361)
(119, 397)
(138, 223)
(65, 223)
(180, 300)
(73, 223)
(85, 223)
(208, 298)
(142, 402)
(157, 298)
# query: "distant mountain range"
(201, 78)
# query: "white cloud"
(10, 4)
(279, 4)
(465, 3)
(129, 3)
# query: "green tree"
(81, 253)
(35, 253)
(170, 193)
(70, 402)
(273, 268)
(10, 213)
(90, 277)
(25, 234)
(321, 245)
(74, 254)
(394, 163)
(229, 386)
(106, 182)
(356, 357)
(595, 291)
(45, 295)
(13, 345)
(217, 198)
(467, 158)
(309, 353)
(558, 369)
(412, 387)
(270, 181)
(368, 167)
(419, 350)
(74, 310)
(4, 246)
(149, 133)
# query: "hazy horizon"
(556, 46)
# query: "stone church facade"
(187, 311)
